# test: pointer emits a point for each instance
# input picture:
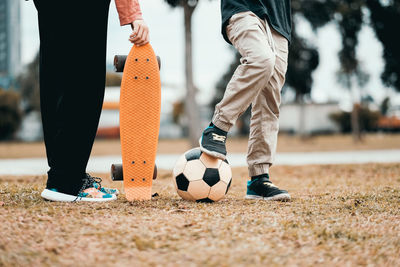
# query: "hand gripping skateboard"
(140, 107)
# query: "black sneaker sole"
(211, 153)
(278, 197)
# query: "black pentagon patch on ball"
(211, 176)
(182, 182)
(193, 154)
(205, 200)
(229, 185)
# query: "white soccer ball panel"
(209, 161)
(225, 172)
(179, 166)
(194, 170)
(198, 189)
(185, 195)
(218, 191)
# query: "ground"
(340, 215)
(286, 143)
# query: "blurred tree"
(350, 22)
(385, 20)
(191, 107)
(29, 85)
(350, 15)
(10, 113)
(368, 119)
(304, 59)
(177, 111)
(385, 106)
(303, 56)
(113, 79)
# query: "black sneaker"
(212, 142)
(263, 188)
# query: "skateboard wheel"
(118, 175)
(116, 172)
(119, 62)
(159, 62)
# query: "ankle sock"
(212, 125)
(260, 176)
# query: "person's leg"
(248, 35)
(264, 126)
(264, 123)
(72, 79)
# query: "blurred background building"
(10, 42)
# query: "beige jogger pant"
(257, 81)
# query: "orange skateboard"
(140, 108)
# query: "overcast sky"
(212, 55)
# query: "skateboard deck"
(140, 108)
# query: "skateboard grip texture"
(140, 108)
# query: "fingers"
(144, 39)
(134, 36)
(140, 34)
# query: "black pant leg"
(72, 79)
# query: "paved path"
(36, 166)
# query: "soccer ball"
(200, 177)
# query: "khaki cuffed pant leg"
(257, 81)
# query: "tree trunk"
(302, 122)
(355, 113)
(191, 108)
(302, 115)
(355, 123)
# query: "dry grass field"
(339, 216)
(286, 143)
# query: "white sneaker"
(90, 194)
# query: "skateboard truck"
(119, 62)
(118, 175)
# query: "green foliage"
(175, 3)
(10, 113)
(385, 20)
(368, 119)
(350, 22)
(349, 16)
(303, 60)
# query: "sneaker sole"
(211, 153)
(57, 196)
(116, 192)
(279, 197)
